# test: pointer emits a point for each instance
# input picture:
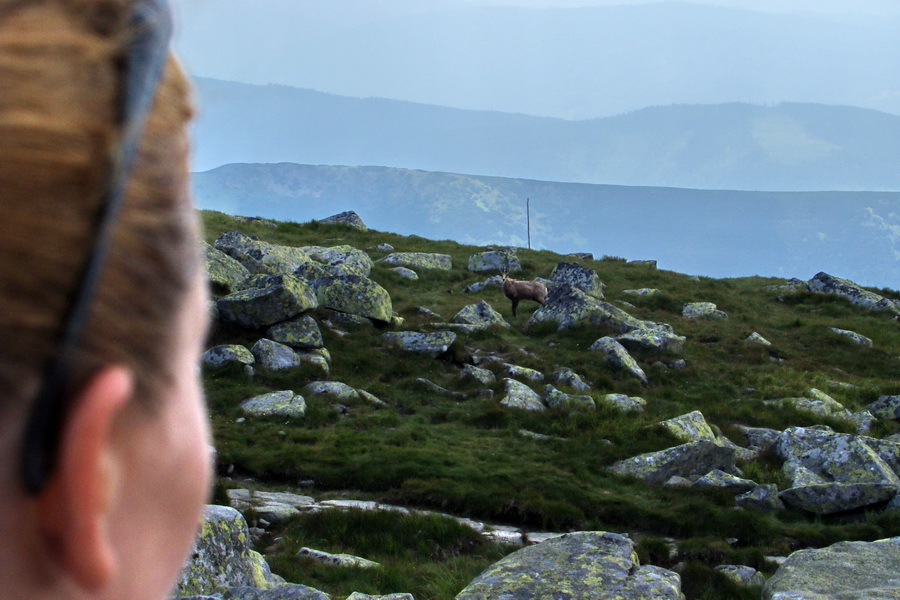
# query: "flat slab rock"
(575, 566)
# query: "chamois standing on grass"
(517, 290)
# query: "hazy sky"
(877, 7)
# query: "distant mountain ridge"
(794, 147)
(714, 233)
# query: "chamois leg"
(515, 303)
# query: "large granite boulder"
(886, 407)
(625, 403)
(579, 277)
(519, 395)
(563, 401)
(481, 314)
(829, 284)
(222, 557)
(227, 355)
(568, 377)
(276, 298)
(503, 259)
(300, 332)
(292, 591)
(419, 260)
(226, 275)
(702, 310)
(576, 566)
(616, 355)
(843, 571)
(690, 461)
(261, 257)
(349, 218)
(569, 306)
(653, 340)
(690, 427)
(795, 441)
(431, 343)
(275, 404)
(334, 389)
(354, 295)
(856, 338)
(272, 356)
(832, 498)
(341, 260)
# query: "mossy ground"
(467, 457)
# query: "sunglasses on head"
(143, 62)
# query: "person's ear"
(75, 508)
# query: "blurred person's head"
(114, 512)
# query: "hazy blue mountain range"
(728, 146)
(570, 63)
(704, 232)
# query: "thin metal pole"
(528, 214)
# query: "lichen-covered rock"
(755, 338)
(335, 389)
(575, 566)
(616, 355)
(829, 284)
(337, 560)
(272, 356)
(886, 407)
(361, 596)
(275, 404)
(742, 574)
(578, 277)
(341, 260)
(643, 292)
(759, 437)
(650, 264)
(282, 297)
(226, 275)
(854, 337)
(562, 401)
(821, 408)
(519, 395)
(419, 260)
(292, 591)
(300, 332)
(522, 373)
(794, 441)
(405, 273)
(831, 498)
(480, 314)
(570, 378)
(349, 218)
(702, 310)
(726, 481)
(800, 476)
(688, 460)
(317, 362)
(261, 257)
(849, 460)
(654, 340)
(354, 295)
(271, 506)
(227, 355)
(222, 557)
(431, 343)
(503, 259)
(382, 247)
(568, 307)
(843, 571)
(690, 427)
(482, 376)
(762, 497)
(625, 403)
(495, 281)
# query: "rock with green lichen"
(226, 275)
(518, 372)
(481, 314)
(643, 292)
(794, 441)
(691, 461)
(762, 497)
(278, 299)
(300, 332)
(742, 574)
(361, 596)
(831, 498)
(405, 273)
(829, 284)
(222, 557)
(419, 260)
(579, 277)
(615, 354)
(341, 260)
(854, 337)
(625, 403)
(337, 560)
(569, 306)
(227, 355)
(575, 566)
(291, 591)
(354, 295)
(349, 218)
(335, 389)
(848, 459)
(432, 343)
(726, 481)
(654, 340)
(843, 571)
(275, 404)
(691, 427)
(886, 407)
(261, 257)
(317, 363)
(702, 310)
(568, 377)
(518, 395)
(755, 338)
(502, 259)
(800, 476)
(563, 401)
(482, 376)
(272, 356)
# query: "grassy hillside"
(467, 457)
(723, 146)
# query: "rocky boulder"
(518, 395)
(886, 407)
(481, 314)
(419, 260)
(829, 284)
(616, 355)
(503, 259)
(354, 295)
(653, 340)
(300, 332)
(227, 355)
(431, 343)
(335, 389)
(272, 356)
(341, 260)
(691, 427)
(222, 557)
(226, 275)
(854, 337)
(563, 401)
(832, 498)
(690, 461)
(702, 310)
(624, 403)
(261, 257)
(349, 218)
(482, 376)
(843, 571)
(568, 377)
(275, 404)
(278, 298)
(575, 566)
(579, 277)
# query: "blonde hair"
(59, 70)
